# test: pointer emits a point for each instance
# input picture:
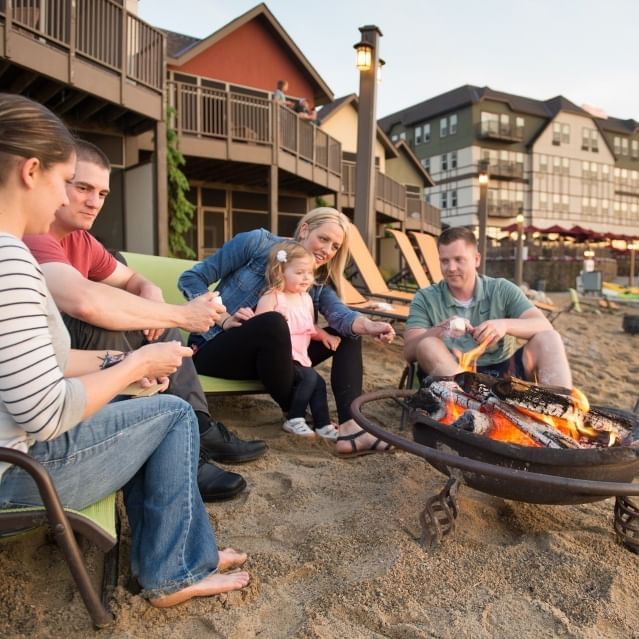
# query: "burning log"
(474, 422)
(539, 432)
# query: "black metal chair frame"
(62, 524)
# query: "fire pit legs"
(626, 523)
(439, 514)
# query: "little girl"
(290, 273)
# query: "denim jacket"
(240, 266)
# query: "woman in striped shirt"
(54, 401)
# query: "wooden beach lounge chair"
(411, 258)
(355, 300)
(372, 278)
(97, 522)
(427, 246)
(164, 272)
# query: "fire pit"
(566, 473)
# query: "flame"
(580, 400)
(504, 430)
(468, 360)
(453, 411)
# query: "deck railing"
(218, 113)
(98, 30)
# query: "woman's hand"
(382, 331)
(159, 360)
(238, 318)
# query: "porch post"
(161, 190)
(273, 196)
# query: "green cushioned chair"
(164, 272)
(97, 522)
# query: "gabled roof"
(259, 12)
(617, 125)
(470, 94)
(330, 109)
(408, 152)
(178, 43)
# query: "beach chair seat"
(97, 523)
(165, 272)
(386, 310)
(373, 280)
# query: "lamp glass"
(483, 178)
(363, 57)
(519, 219)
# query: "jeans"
(309, 390)
(148, 447)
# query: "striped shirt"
(36, 402)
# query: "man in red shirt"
(106, 305)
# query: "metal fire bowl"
(522, 473)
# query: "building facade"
(552, 161)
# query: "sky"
(585, 50)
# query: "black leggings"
(261, 349)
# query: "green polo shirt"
(493, 298)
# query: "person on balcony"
(466, 309)
(55, 402)
(279, 95)
(106, 305)
(304, 110)
(244, 345)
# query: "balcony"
(390, 195)
(505, 170)
(85, 49)
(422, 216)
(504, 208)
(500, 132)
(233, 126)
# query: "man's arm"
(115, 309)
(128, 280)
(527, 325)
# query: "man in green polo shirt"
(466, 309)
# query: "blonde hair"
(29, 130)
(333, 270)
(275, 267)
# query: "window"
(394, 137)
(556, 164)
(426, 163)
(543, 200)
(565, 166)
(519, 126)
(402, 135)
(504, 124)
(543, 163)
(585, 139)
(444, 200)
(556, 133)
(617, 145)
(489, 123)
(564, 202)
(594, 141)
(453, 199)
(453, 124)
(565, 133)
(624, 146)
(418, 135)
(605, 171)
(443, 127)
(444, 162)
(426, 133)
(453, 160)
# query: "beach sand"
(334, 544)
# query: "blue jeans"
(149, 448)
(309, 390)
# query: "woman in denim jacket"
(247, 346)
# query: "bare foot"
(353, 441)
(230, 558)
(214, 584)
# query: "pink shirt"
(300, 323)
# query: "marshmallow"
(458, 325)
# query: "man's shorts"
(513, 366)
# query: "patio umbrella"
(555, 228)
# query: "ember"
(519, 412)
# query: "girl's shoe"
(328, 432)
(298, 426)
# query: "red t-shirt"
(78, 249)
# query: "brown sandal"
(355, 452)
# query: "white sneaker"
(328, 432)
(298, 426)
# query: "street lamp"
(367, 63)
(519, 261)
(483, 178)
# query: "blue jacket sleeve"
(337, 314)
(231, 256)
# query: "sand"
(334, 545)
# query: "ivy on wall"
(180, 209)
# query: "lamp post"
(519, 261)
(367, 61)
(483, 213)
(631, 273)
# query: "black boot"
(221, 445)
(216, 484)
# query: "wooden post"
(161, 189)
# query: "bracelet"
(111, 359)
(226, 319)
